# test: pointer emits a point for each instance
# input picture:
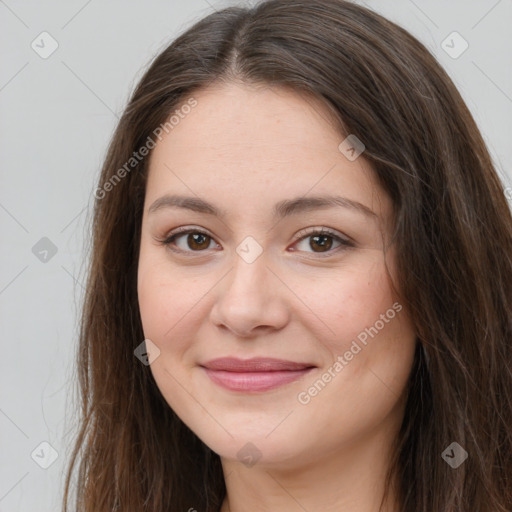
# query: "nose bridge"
(250, 296)
(250, 271)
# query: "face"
(241, 258)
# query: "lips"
(257, 374)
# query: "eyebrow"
(281, 209)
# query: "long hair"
(453, 236)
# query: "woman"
(299, 295)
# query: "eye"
(321, 241)
(194, 241)
(186, 239)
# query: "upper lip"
(256, 364)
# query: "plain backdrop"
(57, 114)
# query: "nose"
(251, 300)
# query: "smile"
(259, 374)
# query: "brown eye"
(198, 241)
(190, 240)
(321, 241)
(324, 242)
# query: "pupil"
(323, 244)
(193, 239)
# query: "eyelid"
(188, 229)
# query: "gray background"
(56, 117)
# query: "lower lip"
(254, 381)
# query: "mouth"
(253, 375)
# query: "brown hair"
(453, 236)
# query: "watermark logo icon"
(352, 147)
(249, 454)
(454, 455)
(44, 250)
(147, 352)
(44, 45)
(249, 249)
(44, 455)
(455, 45)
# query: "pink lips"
(258, 374)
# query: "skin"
(245, 148)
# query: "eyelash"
(344, 244)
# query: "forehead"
(255, 115)
(255, 143)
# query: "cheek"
(158, 296)
(364, 322)
(172, 301)
(344, 304)
(375, 340)
(165, 305)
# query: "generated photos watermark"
(304, 397)
(143, 151)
